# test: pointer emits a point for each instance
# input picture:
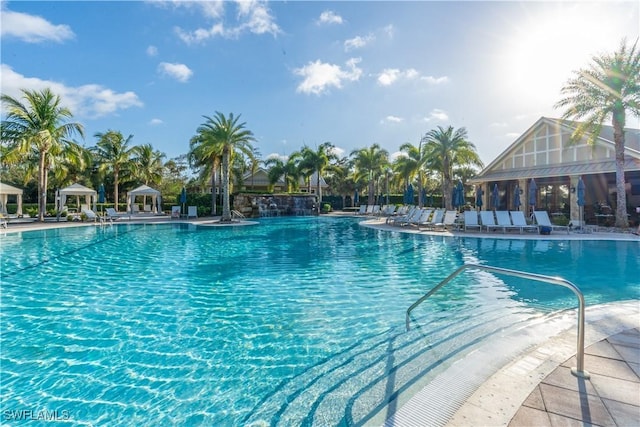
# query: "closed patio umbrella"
(495, 197)
(532, 193)
(479, 193)
(356, 199)
(516, 198)
(183, 197)
(409, 195)
(101, 198)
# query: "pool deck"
(536, 389)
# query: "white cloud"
(277, 156)
(31, 28)
(211, 8)
(389, 30)
(394, 156)
(391, 75)
(152, 51)
(339, 152)
(155, 122)
(392, 119)
(437, 114)
(318, 76)
(180, 72)
(358, 42)
(498, 125)
(435, 80)
(252, 16)
(329, 17)
(90, 100)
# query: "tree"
(288, 169)
(232, 138)
(205, 154)
(609, 88)
(147, 164)
(317, 161)
(370, 162)
(446, 149)
(114, 154)
(412, 165)
(37, 128)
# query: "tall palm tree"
(147, 164)
(288, 169)
(412, 165)
(233, 138)
(205, 154)
(609, 88)
(38, 128)
(317, 162)
(370, 162)
(446, 149)
(114, 153)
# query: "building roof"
(496, 171)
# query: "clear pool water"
(296, 321)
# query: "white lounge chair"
(542, 219)
(471, 220)
(4, 223)
(504, 221)
(363, 210)
(175, 212)
(449, 220)
(518, 219)
(436, 218)
(91, 215)
(488, 220)
(192, 212)
(113, 215)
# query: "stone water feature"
(258, 205)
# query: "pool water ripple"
(294, 321)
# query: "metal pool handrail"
(577, 371)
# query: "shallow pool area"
(293, 321)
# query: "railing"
(577, 371)
(236, 214)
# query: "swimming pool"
(296, 321)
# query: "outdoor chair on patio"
(471, 220)
(192, 212)
(518, 220)
(488, 220)
(542, 219)
(91, 215)
(113, 215)
(504, 221)
(175, 212)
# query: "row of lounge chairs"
(441, 219)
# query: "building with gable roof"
(545, 154)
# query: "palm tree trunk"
(213, 189)
(42, 187)
(226, 208)
(116, 174)
(621, 196)
(319, 191)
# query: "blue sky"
(352, 73)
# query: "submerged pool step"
(358, 385)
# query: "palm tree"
(114, 154)
(609, 88)
(37, 128)
(289, 170)
(233, 138)
(147, 164)
(446, 149)
(412, 165)
(318, 161)
(206, 154)
(370, 162)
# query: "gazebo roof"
(77, 189)
(9, 189)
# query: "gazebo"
(7, 190)
(144, 190)
(77, 190)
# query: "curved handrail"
(577, 371)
